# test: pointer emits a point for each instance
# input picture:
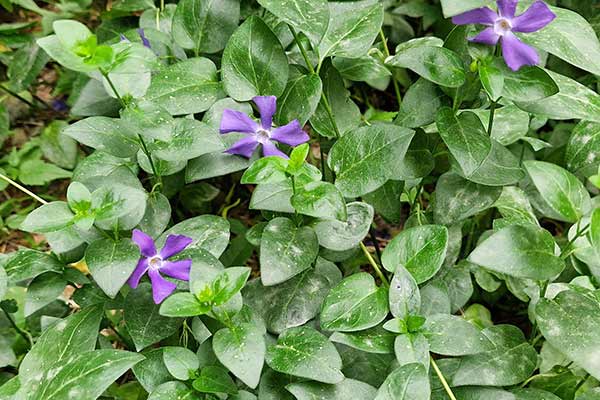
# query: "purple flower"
(501, 26)
(156, 263)
(263, 133)
(143, 37)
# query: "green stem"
(312, 71)
(491, 120)
(23, 189)
(18, 96)
(26, 335)
(113, 88)
(394, 80)
(374, 264)
(375, 243)
(442, 379)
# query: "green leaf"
(320, 200)
(310, 17)
(354, 304)
(412, 348)
(347, 389)
(434, 63)
(387, 200)
(273, 197)
(511, 361)
(561, 195)
(527, 84)
(452, 7)
(50, 217)
(3, 282)
(218, 163)
(454, 336)
(583, 149)
(183, 304)
(457, 199)
(181, 362)
(65, 57)
(104, 134)
(346, 115)
(409, 382)
(111, 263)
(27, 264)
(73, 335)
(152, 372)
(286, 250)
(481, 159)
(421, 250)
(209, 232)
(345, 235)
(519, 251)
(364, 159)
(157, 215)
(299, 99)
(374, 340)
(57, 147)
(352, 28)
(38, 172)
(510, 124)
(254, 62)
(404, 296)
(570, 322)
(131, 72)
(420, 104)
(214, 379)
(269, 169)
(306, 353)
(190, 139)
(241, 349)
(573, 101)
(188, 87)
(205, 26)
(144, 324)
(43, 290)
(569, 37)
(169, 390)
(87, 374)
(368, 68)
(514, 206)
(290, 304)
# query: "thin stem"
(394, 80)
(23, 189)
(374, 265)
(112, 86)
(26, 335)
(149, 156)
(375, 243)
(312, 71)
(302, 50)
(442, 379)
(491, 120)
(18, 96)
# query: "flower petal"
(236, 121)
(144, 242)
(161, 287)
(507, 8)
(244, 147)
(516, 53)
(487, 36)
(483, 16)
(145, 40)
(269, 149)
(290, 134)
(177, 269)
(175, 244)
(138, 272)
(535, 18)
(267, 105)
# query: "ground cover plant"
(300, 199)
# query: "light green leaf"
(408, 382)
(320, 200)
(50, 217)
(286, 250)
(522, 251)
(306, 353)
(404, 296)
(421, 250)
(188, 87)
(454, 336)
(354, 304)
(365, 158)
(254, 62)
(347, 389)
(344, 235)
(111, 263)
(214, 379)
(374, 340)
(43, 290)
(181, 362)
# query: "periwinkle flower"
(142, 35)
(501, 25)
(261, 134)
(156, 263)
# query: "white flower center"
(262, 135)
(502, 26)
(155, 262)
